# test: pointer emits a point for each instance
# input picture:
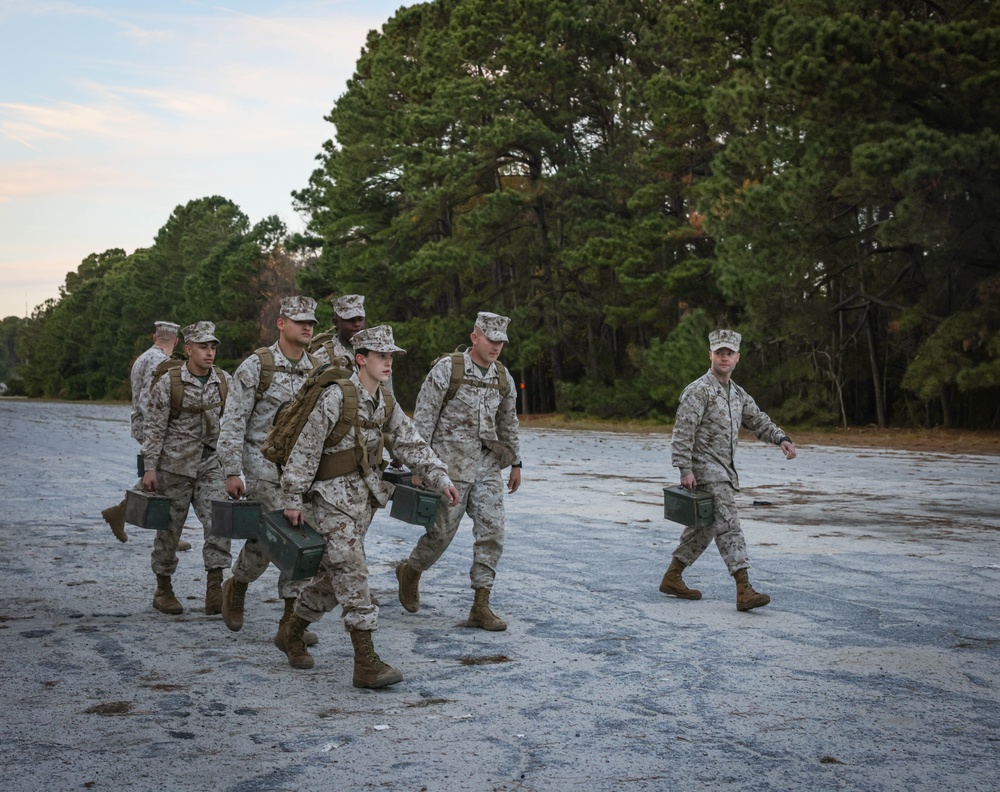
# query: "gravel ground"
(874, 668)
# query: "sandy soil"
(875, 667)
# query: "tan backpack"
(291, 417)
(458, 377)
(172, 368)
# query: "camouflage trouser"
(253, 558)
(183, 492)
(725, 530)
(483, 502)
(343, 572)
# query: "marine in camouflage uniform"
(334, 346)
(164, 341)
(348, 318)
(179, 454)
(709, 416)
(337, 489)
(476, 434)
(244, 426)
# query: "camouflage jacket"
(141, 377)
(178, 445)
(351, 493)
(245, 421)
(322, 355)
(707, 429)
(475, 422)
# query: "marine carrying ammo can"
(688, 507)
(296, 550)
(235, 519)
(412, 505)
(146, 510)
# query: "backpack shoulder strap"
(390, 401)
(502, 374)
(266, 372)
(348, 413)
(172, 368)
(223, 387)
(457, 375)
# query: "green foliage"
(10, 327)
(206, 263)
(619, 177)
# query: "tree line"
(620, 177)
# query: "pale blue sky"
(114, 112)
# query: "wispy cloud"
(123, 110)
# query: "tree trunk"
(876, 374)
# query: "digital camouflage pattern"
(707, 429)
(724, 339)
(494, 326)
(376, 339)
(473, 418)
(705, 435)
(182, 451)
(246, 421)
(725, 529)
(200, 333)
(341, 508)
(298, 309)
(476, 434)
(482, 500)
(185, 491)
(178, 445)
(141, 378)
(332, 348)
(349, 306)
(244, 425)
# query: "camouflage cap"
(166, 327)
(493, 325)
(724, 339)
(349, 306)
(376, 339)
(298, 309)
(200, 333)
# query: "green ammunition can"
(688, 507)
(146, 510)
(235, 519)
(413, 505)
(295, 549)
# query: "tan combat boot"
(164, 599)
(233, 594)
(289, 640)
(182, 545)
(115, 517)
(481, 616)
(309, 638)
(746, 597)
(409, 580)
(213, 592)
(369, 670)
(673, 583)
